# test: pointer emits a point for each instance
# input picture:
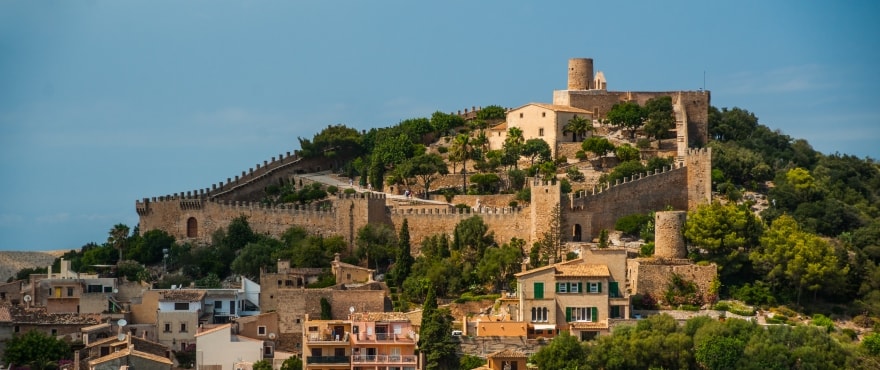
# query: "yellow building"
(578, 295)
(326, 344)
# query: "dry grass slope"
(12, 262)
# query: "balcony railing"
(385, 337)
(384, 359)
(328, 359)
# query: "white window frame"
(574, 288)
(594, 287)
(582, 314)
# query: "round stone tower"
(669, 234)
(580, 73)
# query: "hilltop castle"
(195, 215)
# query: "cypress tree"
(404, 262)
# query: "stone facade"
(652, 275)
(297, 302)
(668, 236)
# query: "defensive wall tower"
(546, 196)
(668, 234)
(580, 73)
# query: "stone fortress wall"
(195, 215)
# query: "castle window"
(541, 131)
(192, 228)
(576, 233)
(543, 114)
(183, 327)
(520, 115)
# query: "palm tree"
(578, 126)
(512, 146)
(460, 152)
(118, 238)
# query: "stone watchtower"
(580, 74)
(669, 235)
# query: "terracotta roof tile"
(5, 316)
(188, 295)
(508, 353)
(589, 325)
(583, 271)
(379, 316)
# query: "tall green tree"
(726, 232)
(375, 245)
(578, 127)
(512, 147)
(118, 238)
(794, 258)
(599, 146)
(35, 350)
(239, 233)
(564, 352)
(404, 259)
(425, 169)
(659, 117)
(628, 116)
(536, 149)
(460, 152)
(435, 340)
(499, 264)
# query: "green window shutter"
(568, 287)
(595, 316)
(600, 287)
(580, 287)
(613, 289)
(557, 287)
(539, 290)
(568, 314)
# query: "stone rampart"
(505, 222)
(600, 208)
(652, 275)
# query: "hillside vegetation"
(788, 226)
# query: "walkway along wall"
(196, 217)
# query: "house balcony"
(383, 338)
(328, 360)
(328, 339)
(384, 360)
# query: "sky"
(106, 102)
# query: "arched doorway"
(576, 233)
(192, 228)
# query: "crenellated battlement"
(488, 211)
(646, 176)
(193, 215)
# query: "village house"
(578, 296)
(219, 349)
(383, 340)
(327, 344)
(506, 359)
(122, 346)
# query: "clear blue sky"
(106, 102)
